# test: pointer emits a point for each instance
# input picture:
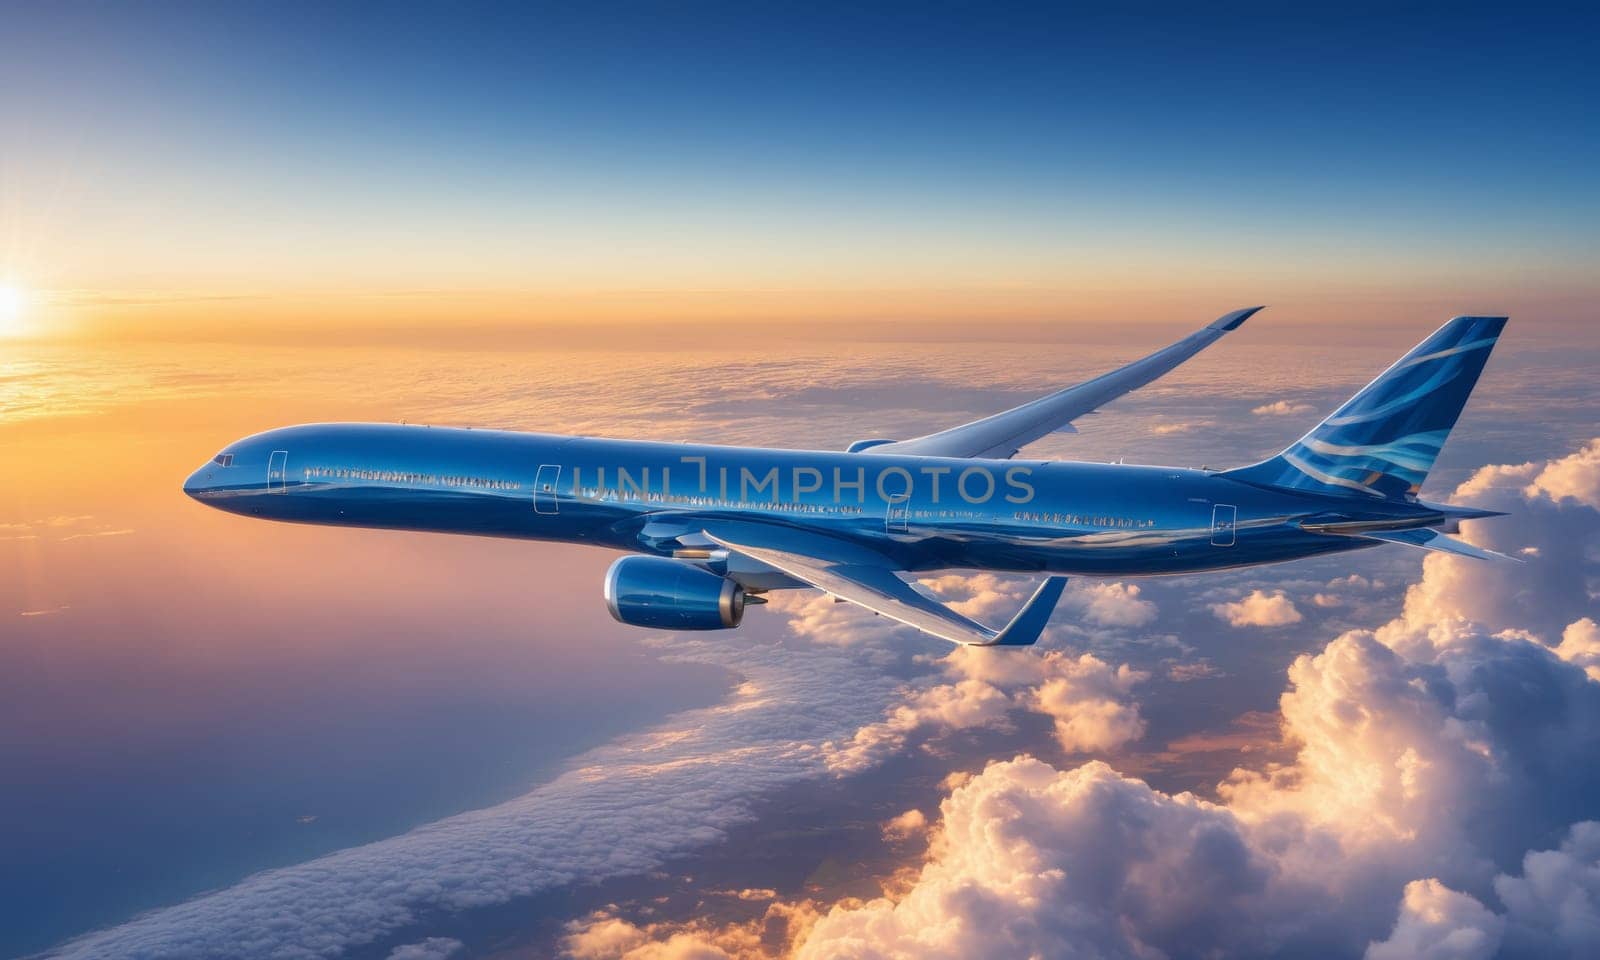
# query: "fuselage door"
(1223, 518)
(544, 489)
(894, 518)
(278, 471)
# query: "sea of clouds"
(1421, 788)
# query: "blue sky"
(658, 146)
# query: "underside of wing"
(861, 576)
(1002, 435)
(1435, 540)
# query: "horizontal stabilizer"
(1461, 513)
(1427, 539)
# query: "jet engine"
(672, 595)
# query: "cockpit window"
(223, 459)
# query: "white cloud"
(1553, 909)
(1554, 588)
(1437, 923)
(1576, 477)
(910, 824)
(604, 936)
(1112, 604)
(1088, 700)
(1580, 644)
(1259, 609)
(1036, 862)
(1283, 408)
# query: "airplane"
(711, 529)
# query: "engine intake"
(672, 595)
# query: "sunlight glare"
(11, 320)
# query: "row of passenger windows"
(401, 476)
(1081, 520)
(651, 496)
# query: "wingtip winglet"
(1232, 321)
(1029, 623)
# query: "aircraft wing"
(1003, 434)
(865, 577)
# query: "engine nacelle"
(672, 595)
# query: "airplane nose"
(196, 482)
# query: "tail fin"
(1383, 441)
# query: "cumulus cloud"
(1086, 698)
(1580, 644)
(1437, 923)
(1555, 587)
(1429, 754)
(1113, 604)
(1576, 477)
(1553, 908)
(910, 824)
(604, 936)
(1259, 609)
(1283, 408)
(1551, 911)
(1439, 768)
(1033, 861)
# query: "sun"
(12, 301)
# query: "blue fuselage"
(926, 513)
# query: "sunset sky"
(762, 224)
(244, 168)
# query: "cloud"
(1576, 477)
(433, 948)
(910, 824)
(1196, 670)
(1429, 754)
(1033, 861)
(1580, 644)
(1283, 408)
(1087, 699)
(1259, 609)
(91, 534)
(604, 936)
(1166, 429)
(1090, 704)
(1554, 588)
(1437, 923)
(1112, 604)
(1553, 909)
(622, 809)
